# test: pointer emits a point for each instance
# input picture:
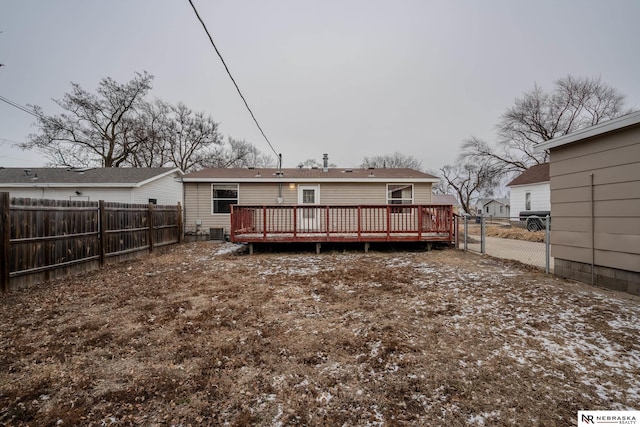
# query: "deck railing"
(360, 223)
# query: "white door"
(308, 216)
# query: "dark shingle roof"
(533, 175)
(79, 176)
(306, 173)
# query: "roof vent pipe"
(325, 163)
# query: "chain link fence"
(525, 240)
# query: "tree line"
(538, 115)
(118, 126)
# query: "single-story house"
(498, 207)
(530, 190)
(210, 194)
(595, 203)
(446, 199)
(162, 186)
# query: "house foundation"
(606, 277)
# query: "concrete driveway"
(532, 253)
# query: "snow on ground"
(434, 338)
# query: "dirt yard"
(199, 335)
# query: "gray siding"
(198, 198)
(614, 161)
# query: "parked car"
(535, 220)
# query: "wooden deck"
(361, 223)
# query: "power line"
(233, 80)
(18, 106)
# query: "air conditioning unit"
(216, 234)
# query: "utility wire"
(233, 80)
(19, 107)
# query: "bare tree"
(538, 116)
(95, 129)
(391, 161)
(469, 180)
(193, 138)
(239, 154)
(152, 132)
(314, 163)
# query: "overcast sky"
(348, 78)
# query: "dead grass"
(189, 337)
(506, 232)
(515, 233)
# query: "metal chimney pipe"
(325, 163)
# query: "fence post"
(5, 242)
(482, 235)
(180, 225)
(547, 245)
(151, 220)
(466, 232)
(102, 219)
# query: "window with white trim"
(400, 194)
(223, 195)
(527, 201)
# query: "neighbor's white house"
(162, 186)
(530, 191)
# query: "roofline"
(45, 184)
(162, 175)
(596, 130)
(311, 180)
(67, 185)
(530, 183)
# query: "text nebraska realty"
(609, 419)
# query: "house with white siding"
(210, 193)
(162, 186)
(493, 207)
(594, 178)
(530, 190)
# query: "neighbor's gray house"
(493, 207)
(310, 204)
(530, 190)
(162, 186)
(595, 203)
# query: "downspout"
(593, 234)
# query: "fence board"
(41, 239)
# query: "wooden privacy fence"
(41, 239)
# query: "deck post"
(264, 222)
(5, 241)
(327, 221)
(366, 247)
(318, 246)
(250, 248)
(388, 222)
(421, 212)
(295, 221)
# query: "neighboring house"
(162, 186)
(209, 193)
(595, 203)
(446, 199)
(530, 190)
(493, 207)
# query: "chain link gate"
(527, 241)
